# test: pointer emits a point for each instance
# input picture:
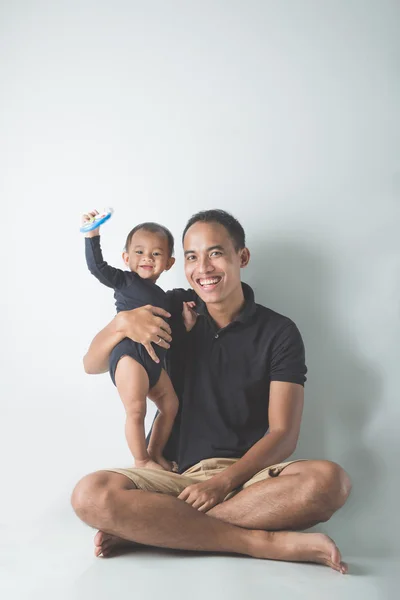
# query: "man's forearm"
(96, 358)
(273, 448)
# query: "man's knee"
(331, 484)
(93, 495)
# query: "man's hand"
(189, 315)
(204, 495)
(145, 326)
(90, 217)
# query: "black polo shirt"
(222, 378)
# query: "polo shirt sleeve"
(288, 356)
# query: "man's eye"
(216, 252)
(190, 257)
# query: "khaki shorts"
(165, 482)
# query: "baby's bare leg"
(164, 397)
(133, 384)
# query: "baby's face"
(148, 254)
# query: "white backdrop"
(282, 113)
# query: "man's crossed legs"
(264, 519)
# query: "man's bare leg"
(104, 500)
(281, 503)
(303, 495)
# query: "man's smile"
(208, 283)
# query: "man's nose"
(205, 265)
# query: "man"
(243, 373)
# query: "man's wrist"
(120, 323)
(223, 480)
(154, 454)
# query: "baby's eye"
(139, 252)
(156, 253)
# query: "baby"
(148, 253)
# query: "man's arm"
(287, 374)
(285, 412)
(286, 400)
(144, 325)
(96, 358)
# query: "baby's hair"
(152, 228)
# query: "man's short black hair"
(152, 228)
(232, 225)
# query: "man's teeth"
(209, 281)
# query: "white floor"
(53, 559)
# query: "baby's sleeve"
(109, 276)
(176, 298)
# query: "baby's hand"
(88, 217)
(189, 315)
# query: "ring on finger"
(159, 340)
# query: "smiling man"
(239, 374)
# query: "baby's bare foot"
(301, 547)
(107, 545)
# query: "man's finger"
(159, 341)
(163, 334)
(208, 505)
(197, 503)
(184, 494)
(158, 312)
(190, 498)
(151, 352)
(163, 325)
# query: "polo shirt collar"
(247, 311)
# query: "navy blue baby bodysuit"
(131, 291)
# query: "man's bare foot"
(148, 464)
(107, 545)
(166, 464)
(298, 547)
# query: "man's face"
(212, 265)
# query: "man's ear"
(125, 258)
(244, 257)
(170, 263)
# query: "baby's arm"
(189, 315)
(109, 276)
(183, 308)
